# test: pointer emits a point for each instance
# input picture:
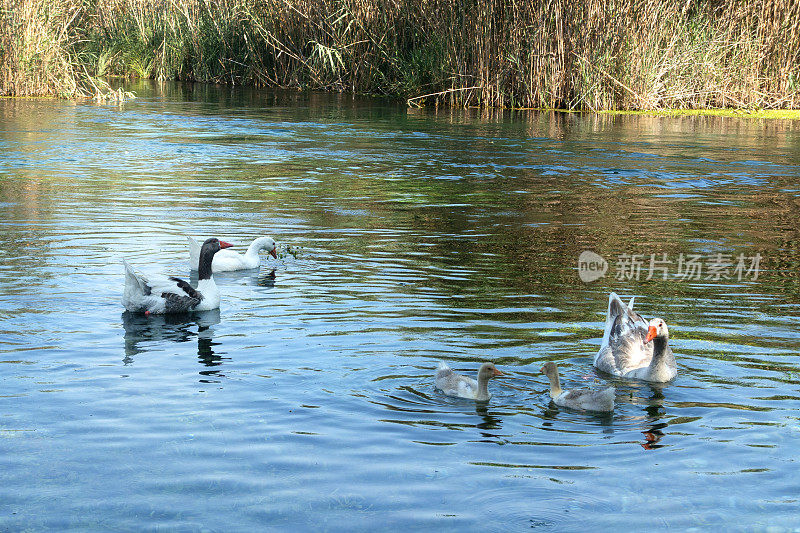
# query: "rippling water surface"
(405, 238)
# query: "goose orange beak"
(497, 373)
(223, 244)
(651, 334)
(273, 253)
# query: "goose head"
(207, 251)
(268, 244)
(214, 245)
(488, 371)
(657, 329)
(549, 369)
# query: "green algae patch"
(785, 114)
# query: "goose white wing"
(453, 384)
(227, 260)
(157, 293)
(623, 346)
(587, 399)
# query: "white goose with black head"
(158, 294)
(627, 351)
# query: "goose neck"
(555, 384)
(661, 355)
(204, 265)
(483, 387)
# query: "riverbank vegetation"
(569, 54)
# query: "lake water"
(405, 237)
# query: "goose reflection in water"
(206, 354)
(141, 330)
(650, 396)
(652, 436)
(260, 278)
(491, 424)
(266, 278)
(552, 411)
(656, 414)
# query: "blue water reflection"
(405, 237)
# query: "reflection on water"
(415, 236)
(142, 331)
(653, 436)
(490, 422)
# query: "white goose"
(454, 384)
(157, 294)
(229, 260)
(626, 350)
(584, 399)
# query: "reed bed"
(570, 54)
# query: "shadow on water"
(141, 330)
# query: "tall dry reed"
(577, 54)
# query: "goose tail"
(194, 253)
(136, 288)
(442, 370)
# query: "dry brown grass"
(35, 44)
(576, 54)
